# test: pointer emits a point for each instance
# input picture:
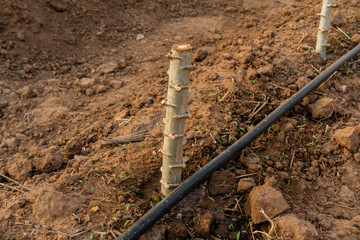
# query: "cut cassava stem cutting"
(176, 114)
(323, 31)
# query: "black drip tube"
(154, 214)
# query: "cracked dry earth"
(73, 73)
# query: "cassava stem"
(176, 114)
(323, 31)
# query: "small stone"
(267, 198)
(322, 108)
(89, 92)
(20, 36)
(264, 70)
(355, 38)
(101, 89)
(221, 182)
(200, 55)
(203, 226)
(87, 82)
(73, 147)
(347, 195)
(291, 227)
(177, 230)
(140, 37)
(156, 233)
(347, 137)
(116, 84)
(245, 184)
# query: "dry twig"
(134, 137)
(12, 180)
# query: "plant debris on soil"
(77, 75)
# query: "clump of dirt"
(53, 208)
(76, 72)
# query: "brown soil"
(74, 73)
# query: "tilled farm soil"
(73, 73)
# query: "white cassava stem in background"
(323, 31)
(176, 114)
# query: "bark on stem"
(323, 31)
(176, 113)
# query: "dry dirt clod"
(20, 36)
(52, 207)
(3, 104)
(73, 147)
(244, 57)
(50, 162)
(221, 182)
(302, 81)
(287, 127)
(200, 55)
(107, 67)
(140, 37)
(11, 142)
(20, 168)
(245, 184)
(156, 233)
(25, 92)
(347, 195)
(252, 158)
(58, 5)
(101, 89)
(355, 38)
(267, 69)
(347, 137)
(116, 84)
(322, 108)
(203, 225)
(177, 230)
(89, 92)
(266, 198)
(87, 82)
(291, 227)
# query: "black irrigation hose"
(154, 214)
